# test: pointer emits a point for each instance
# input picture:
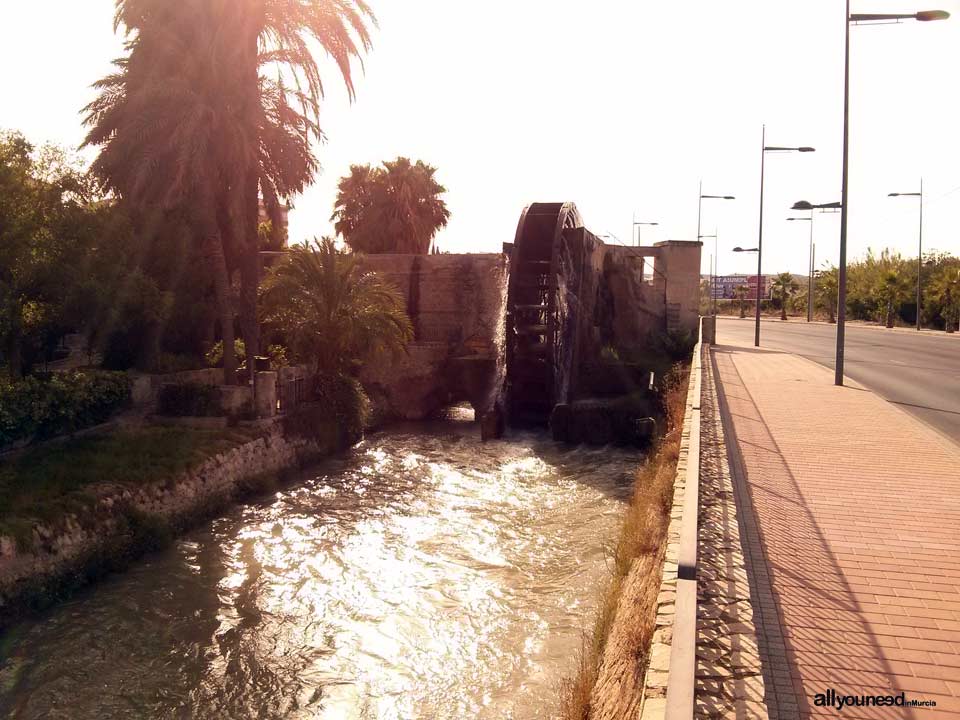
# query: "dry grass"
(608, 681)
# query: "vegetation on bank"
(47, 483)
(637, 554)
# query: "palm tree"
(190, 119)
(784, 286)
(740, 292)
(160, 136)
(827, 285)
(891, 290)
(396, 208)
(331, 313)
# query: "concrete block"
(266, 383)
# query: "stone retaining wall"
(66, 551)
(457, 304)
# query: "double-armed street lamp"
(764, 149)
(922, 16)
(826, 207)
(809, 264)
(919, 243)
(701, 197)
(636, 233)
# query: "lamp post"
(637, 232)
(809, 265)
(701, 197)
(919, 243)
(764, 149)
(714, 261)
(923, 16)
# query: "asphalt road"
(920, 372)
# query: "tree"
(396, 208)
(49, 219)
(331, 313)
(827, 288)
(192, 120)
(784, 286)
(740, 292)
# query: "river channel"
(423, 574)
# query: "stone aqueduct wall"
(457, 305)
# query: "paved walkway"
(849, 513)
(728, 681)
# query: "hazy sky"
(620, 107)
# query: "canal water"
(423, 574)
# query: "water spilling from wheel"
(421, 575)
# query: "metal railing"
(291, 393)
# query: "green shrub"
(336, 416)
(44, 406)
(343, 398)
(675, 344)
(188, 400)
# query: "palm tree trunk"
(249, 262)
(245, 213)
(216, 259)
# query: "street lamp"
(764, 149)
(637, 235)
(714, 261)
(919, 243)
(922, 16)
(809, 265)
(700, 200)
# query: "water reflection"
(423, 575)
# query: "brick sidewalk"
(850, 516)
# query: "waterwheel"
(535, 352)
